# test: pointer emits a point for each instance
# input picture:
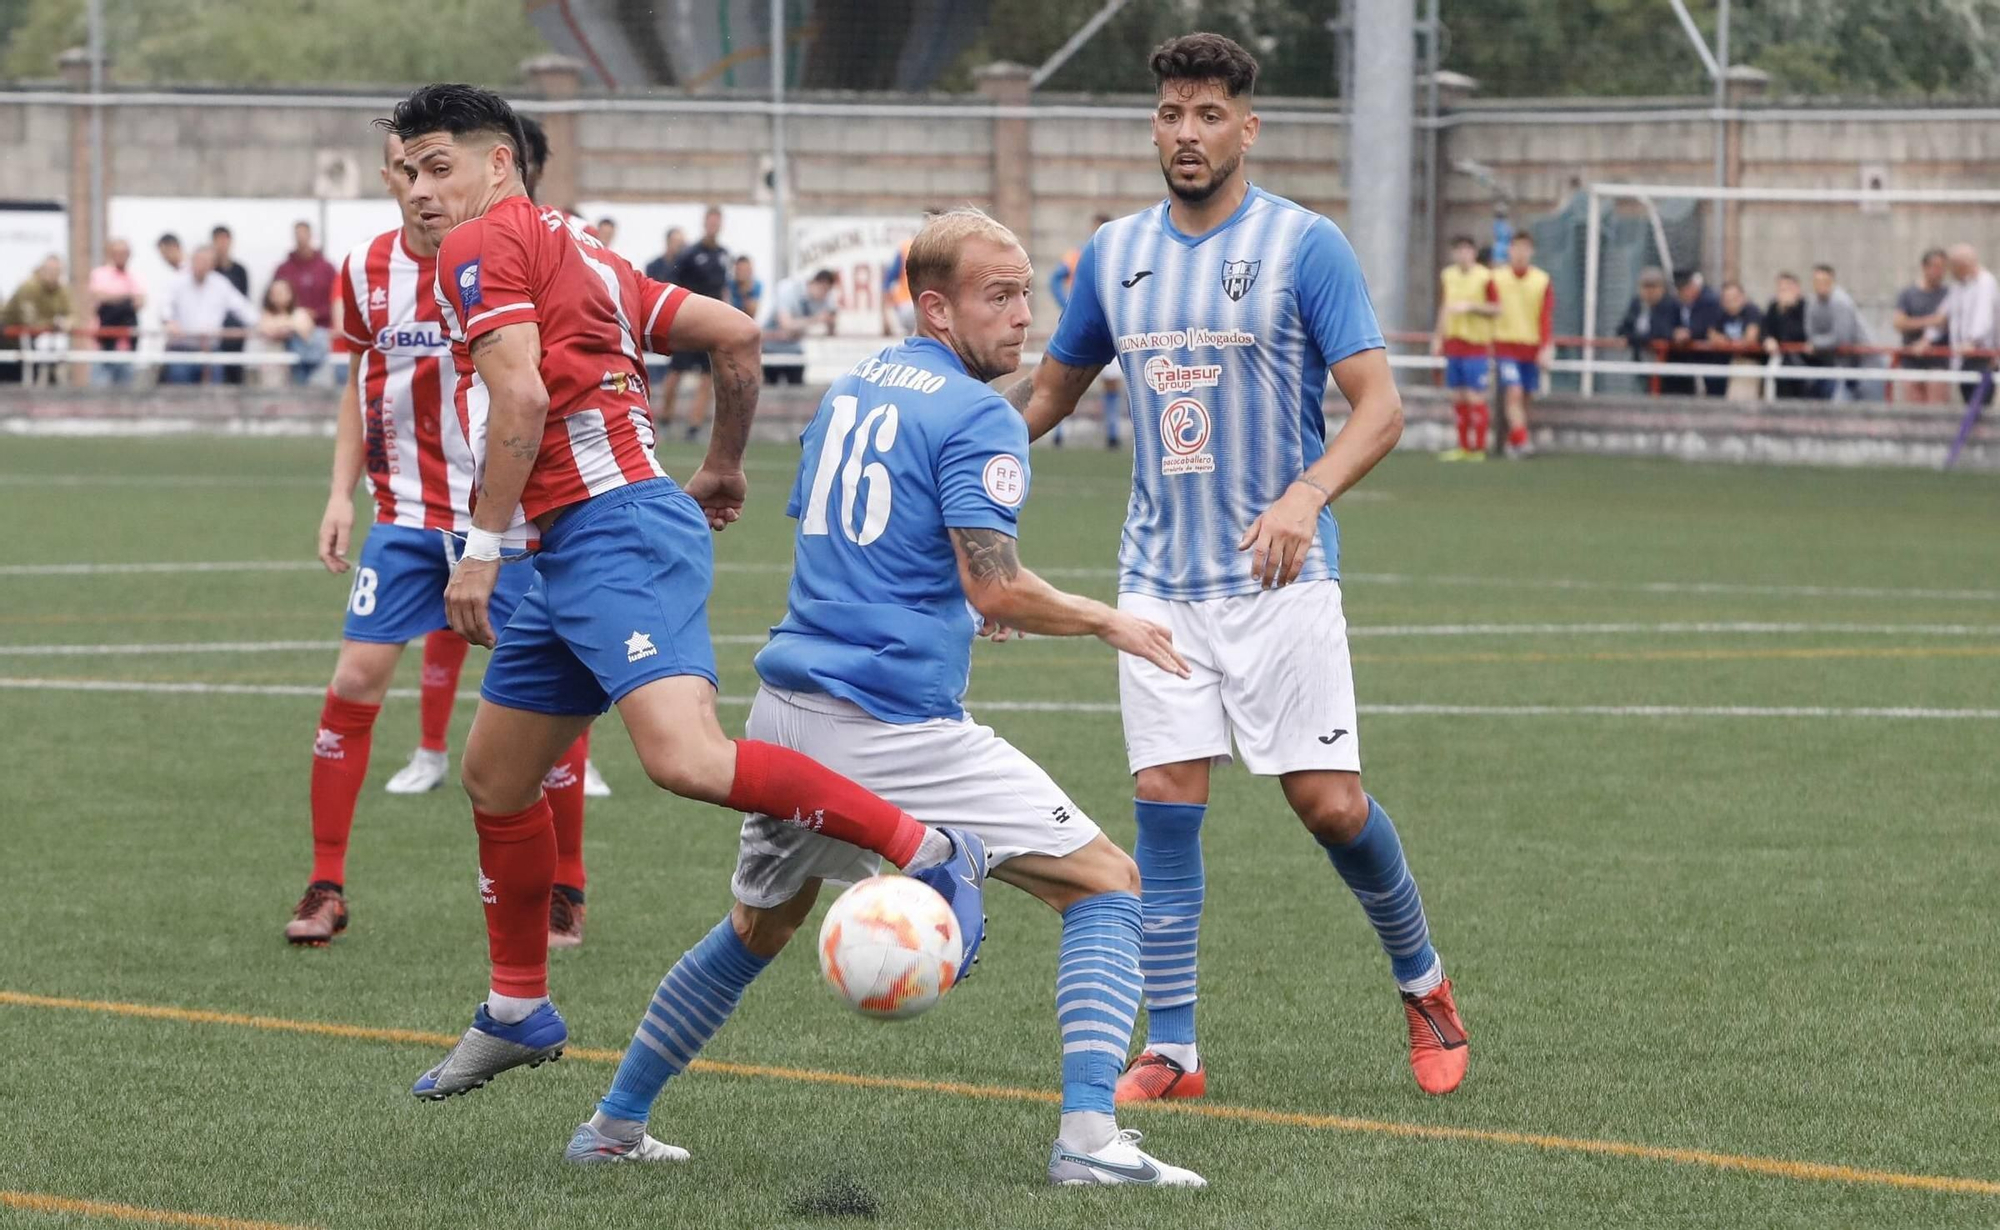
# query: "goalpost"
(1856, 229)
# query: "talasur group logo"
(1184, 429)
(1163, 375)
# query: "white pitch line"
(1062, 706)
(118, 649)
(1352, 578)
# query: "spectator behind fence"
(310, 275)
(199, 304)
(116, 296)
(1738, 324)
(607, 231)
(1785, 325)
(1972, 314)
(239, 277)
(1833, 322)
(1920, 318)
(1650, 317)
(34, 318)
(285, 324)
(703, 268)
(798, 309)
(169, 246)
(661, 269)
(746, 293)
(1699, 310)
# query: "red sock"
(1464, 413)
(1482, 417)
(444, 655)
(781, 783)
(340, 764)
(564, 786)
(1517, 437)
(517, 863)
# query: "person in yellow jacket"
(1523, 335)
(1467, 305)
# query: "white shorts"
(1270, 669)
(943, 771)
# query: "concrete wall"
(1079, 165)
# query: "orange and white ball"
(890, 947)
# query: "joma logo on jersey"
(1238, 277)
(424, 338)
(1184, 429)
(1163, 375)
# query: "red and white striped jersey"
(418, 460)
(519, 263)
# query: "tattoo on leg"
(989, 554)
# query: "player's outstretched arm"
(336, 525)
(735, 349)
(1007, 594)
(509, 361)
(1050, 393)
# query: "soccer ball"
(890, 947)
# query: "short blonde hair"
(932, 263)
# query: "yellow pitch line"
(40, 1202)
(1694, 655)
(1774, 1167)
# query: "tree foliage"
(277, 42)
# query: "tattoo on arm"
(989, 554)
(520, 448)
(484, 342)
(736, 386)
(1019, 393)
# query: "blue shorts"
(1465, 372)
(620, 599)
(1522, 374)
(398, 590)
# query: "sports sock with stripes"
(1097, 1001)
(1168, 852)
(1373, 867)
(693, 1001)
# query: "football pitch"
(1695, 766)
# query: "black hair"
(1205, 57)
(169, 237)
(538, 143)
(1825, 269)
(1683, 276)
(1931, 254)
(823, 275)
(220, 231)
(460, 110)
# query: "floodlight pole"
(1379, 148)
(1717, 64)
(781, 190)
(1593, 256)
(97, 221)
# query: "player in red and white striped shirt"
(548, 328)
(398, 426)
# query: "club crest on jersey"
(1184, 429)
(1005, 480)
(1238, 277)
(467, 277)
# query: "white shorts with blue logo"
(949, 771)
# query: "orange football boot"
(1152, 1077)
(1438, 1052)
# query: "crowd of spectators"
(1948, 319)
(205, 309)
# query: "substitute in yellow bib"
(1467, 306)
(1523, 335)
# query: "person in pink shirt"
(310, 275)
(116, 294)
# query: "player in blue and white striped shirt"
(1226, 306)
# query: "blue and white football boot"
(961, 880)
(490, 1048)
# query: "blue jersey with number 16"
(904, 448)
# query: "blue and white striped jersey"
(1224, 340)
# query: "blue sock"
(1111, 409)
(1097, 997)
(1169, 856)
(1373, 866)
(693, 1001)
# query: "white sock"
(1426, 982)
(934, 849)
(512, 1009)
(1087, 1131)
(1182, 1053)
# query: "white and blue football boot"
(490, 1048)
(1120, 1162)
(590, 1147)
(961, 880)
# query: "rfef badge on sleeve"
(467, 277)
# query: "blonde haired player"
(867, 674)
